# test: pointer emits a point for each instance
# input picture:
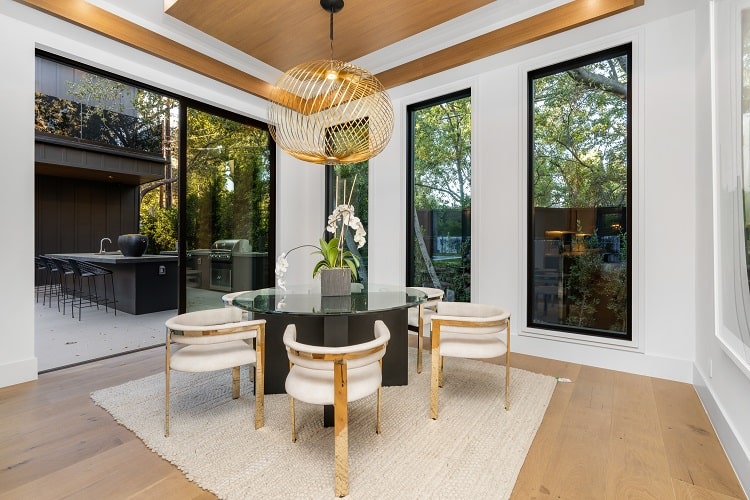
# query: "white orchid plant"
(333, 253)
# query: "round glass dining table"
(332, 321)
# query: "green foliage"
(442, 155)
(580, 137)
(357, 173)
(160, 225)
(334, 256)
(583, 278)
(442, 190)
(228, 181)
(616, 289)
(596, 290)
(580, 160)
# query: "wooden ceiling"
(284, 37)
(285, 33)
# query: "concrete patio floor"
(61, 340)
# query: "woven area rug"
(475, 448)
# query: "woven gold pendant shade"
(330, 112)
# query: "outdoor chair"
(335, 376)
(40, 277)
(466, 330)
(90, 272)
(216, 339)
(419, 317)
(62, 288)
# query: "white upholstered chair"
(419, 317)
(335, 376)
(216, 339)
(227, 299)
(466, 330)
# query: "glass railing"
(90, 124)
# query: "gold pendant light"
(330, 112)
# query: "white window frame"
(732, 295)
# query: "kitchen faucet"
(101, 244)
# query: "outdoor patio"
(61, 340)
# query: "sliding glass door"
(228, 229)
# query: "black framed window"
(579, 195)
(438, 250)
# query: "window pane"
(228, 207)
(93, 109)
(579, 189)
(358, 196)
(743, 333)
(440, 208)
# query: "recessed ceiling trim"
(536, 27)
(105, 23)
(547, 23)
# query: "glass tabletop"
(306, 300)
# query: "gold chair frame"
(340, 410)
(258, 379)
(436, 379)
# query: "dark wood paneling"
(73, 215)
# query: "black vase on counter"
(132, 245)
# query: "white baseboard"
(680, 370)
(738, 456)
(18, 372)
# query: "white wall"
(664, 225)
(721, 384)
(17, 360)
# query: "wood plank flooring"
(606, 435)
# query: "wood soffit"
(556, 20)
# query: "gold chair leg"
(294, 426)
(340, 430)
(291, 405)
(380, 397)
(260, 378)
(507, 369)
(441, 380)
(420, 338)
(435, 369)
(166, 378)
(235, 382)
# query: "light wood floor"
(606, 435)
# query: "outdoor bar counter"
(143, 284)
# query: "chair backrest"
(74, 265)
(227, 298)
(322, 358)
(434, 295)
(487, 318)
(211, 326)
(62, 266)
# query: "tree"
(442, 155)
(580, 156)
(580, 160)
(442, 185)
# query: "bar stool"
(89, 272)
(63, 271)
(40, 277)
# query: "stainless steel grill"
(221, 255)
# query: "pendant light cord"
(331, 34)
